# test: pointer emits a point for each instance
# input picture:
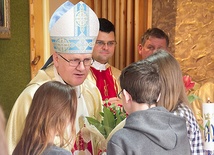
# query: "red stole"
(81, 146)
(105, 82)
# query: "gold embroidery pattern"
(105, 88)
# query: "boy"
(148, 129)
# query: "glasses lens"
(100, 43)
(74, 63)
(87, 62)
(111, 43)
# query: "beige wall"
(190, 26)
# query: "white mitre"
(74, 28)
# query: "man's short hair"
(156, 33)
(141, 80)
(106, 25)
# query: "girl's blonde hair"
(172, 86)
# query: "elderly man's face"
(73, 75)
(151, 45)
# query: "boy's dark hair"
(156, 33)
(106, 25)
(141, 80)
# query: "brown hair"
(156, 33)
(53, 108)
(141, 80)
(172, 86)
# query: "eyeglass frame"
(75, 60)
(109, 43)
(118, 95)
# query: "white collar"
(99, 66)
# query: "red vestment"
(105, 82)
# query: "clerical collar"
(99, 66)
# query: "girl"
(52, 112)
(174, 98)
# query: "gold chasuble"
(73, 30)
(89, 104)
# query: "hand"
(115, 100)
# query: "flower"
(189, 85)
(112, 115)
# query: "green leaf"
(201, 127)
(97, 124)
(192, 98)
(102, 114)
(112, 106)
(107, 130)
(208, 123)
(108, 120)
(93, 121)
(120, 117)
(111, 115)
(102, 130)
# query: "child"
(174, 98)
(53, 109)
(148, 129)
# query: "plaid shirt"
(193, 131)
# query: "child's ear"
(127, 96)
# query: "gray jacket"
(151, 132)
(54, 150)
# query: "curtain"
(131, 19)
